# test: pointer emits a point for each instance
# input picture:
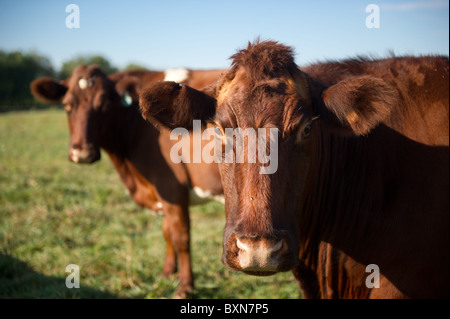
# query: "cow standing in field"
(362, 176)
(103, 113)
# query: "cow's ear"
(48, 90)
(360, 103)
(128, 89)
(172, 105)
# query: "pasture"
(54, 213)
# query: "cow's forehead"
(82, 74)
(264, 72)
(83, 71)
(237, 84)
(279, 102)
(241, 89)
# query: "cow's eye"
(303, 134)
(68, 108)
(306, 131)
(220, 140)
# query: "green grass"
(54, 213)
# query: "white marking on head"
(83, 83)
(176, 75)
(159, 205)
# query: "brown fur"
(264, 62)
(357, 104)
(367, 184)
(47, 90)
(175, 108)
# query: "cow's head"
(90, 98)
(265, 89)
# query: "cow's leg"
(170, 262)
(178, 222)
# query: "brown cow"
(103, 113)
(362, 181)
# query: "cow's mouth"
(260, 273)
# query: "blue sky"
(203, 34)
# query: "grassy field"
(54, 213)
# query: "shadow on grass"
(18, 280)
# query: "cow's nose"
(75, 154)
(79, 155)
(260, 255)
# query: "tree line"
(18, 69)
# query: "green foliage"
(133, 66)
(54, 213)
(101, 61)
(17, 70)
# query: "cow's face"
(261, 235)
(265, 90)
(89, 98)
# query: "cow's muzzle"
(259, 256)
(84, 155)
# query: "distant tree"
(133, 66)
(17, 70)
(69, 65)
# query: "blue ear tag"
(127, 100)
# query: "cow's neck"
(120, 135)
(363, 202)
(347, 187)
(120, 132)
(121, 141)
(339, 214)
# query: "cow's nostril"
(276, 247)
(241, 245)
(270, 249)
(260, 255)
